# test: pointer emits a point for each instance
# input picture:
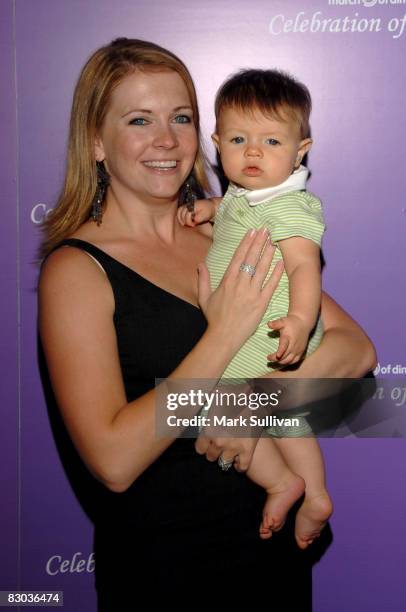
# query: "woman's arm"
(115, 438)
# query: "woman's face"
(148, 140)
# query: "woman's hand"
(236, 307)
(238, 451)
(224, 440)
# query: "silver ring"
(225, 465)
(247, 268)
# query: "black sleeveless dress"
(184, 527)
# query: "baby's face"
(258, 151)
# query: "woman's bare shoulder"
(65, 259)
(69, 270)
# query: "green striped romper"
(297, 213)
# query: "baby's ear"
(215, 138)
(304, 147)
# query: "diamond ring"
(225, 465)
(247, 268)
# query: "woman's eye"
(272, 141)
(182, 119)
(138, 121)
(237, 139)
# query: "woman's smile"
(162, 167)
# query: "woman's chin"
(164, 196)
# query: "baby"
(262, 135)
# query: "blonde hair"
(105, 69)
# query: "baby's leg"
(269, 470)
(303, 455)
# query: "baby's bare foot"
(312, 516)
(279, 501)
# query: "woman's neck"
(131, 218)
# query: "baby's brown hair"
(273, 92)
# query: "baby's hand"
(203, 211)
(294, 336)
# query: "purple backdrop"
(354, 67)
(9, 309)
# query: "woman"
(119, 308)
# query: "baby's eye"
(237, 139)
(139, 121)
(272, 141)
(182, 119)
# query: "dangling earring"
(187, 196)
(103, 181)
